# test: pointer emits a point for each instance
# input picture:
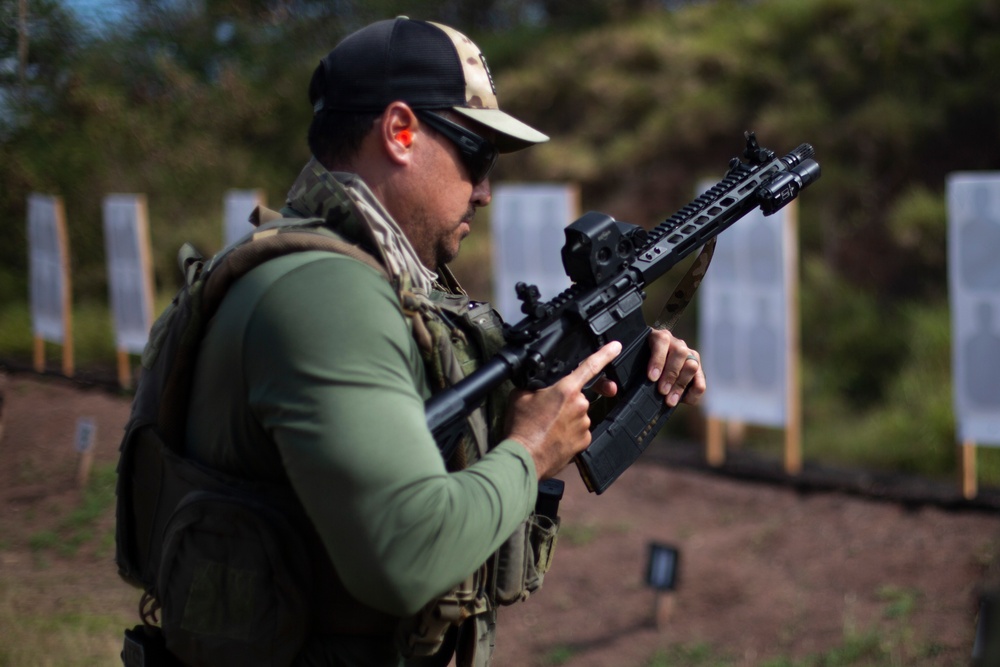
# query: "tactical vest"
(234, 567)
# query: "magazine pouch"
(524, 558)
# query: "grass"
(698, 655)
(890, 643)
(55, 610)
(68, 637)
(93, 341)
(78, 527)
(864, 441)
(93, 337)
(560, 655)
(578, 534)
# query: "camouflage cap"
(426, 65)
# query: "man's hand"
(677, 367)
(552, 423)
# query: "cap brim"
(512, 134)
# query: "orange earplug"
(404, 137)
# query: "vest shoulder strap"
(270, 244)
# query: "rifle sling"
(688, 285)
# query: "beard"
(448, 242)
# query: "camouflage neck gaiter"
(318, 192)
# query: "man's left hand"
(673, 365)
(676, 368)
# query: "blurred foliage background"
(183, 99)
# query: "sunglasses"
(478, 155)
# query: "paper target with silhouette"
(744, 322)
(130, 282)
(47, 259)
(527, 223)
(974, 290)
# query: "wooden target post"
(793, 423)
(715, 444)
(968, 474)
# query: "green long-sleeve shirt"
(309, 370)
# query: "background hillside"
(182, 100)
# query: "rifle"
(609, 263)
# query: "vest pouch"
(232, 583)
(524, 559)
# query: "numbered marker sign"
(661, 572)
(86, 434)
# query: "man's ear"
(397, 132)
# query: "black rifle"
(610, 262)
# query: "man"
(315, 368)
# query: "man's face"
(444, 199)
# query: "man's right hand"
(552, 423)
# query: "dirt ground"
(765, 570)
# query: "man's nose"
(482, 194)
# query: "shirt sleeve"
(336, 381)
